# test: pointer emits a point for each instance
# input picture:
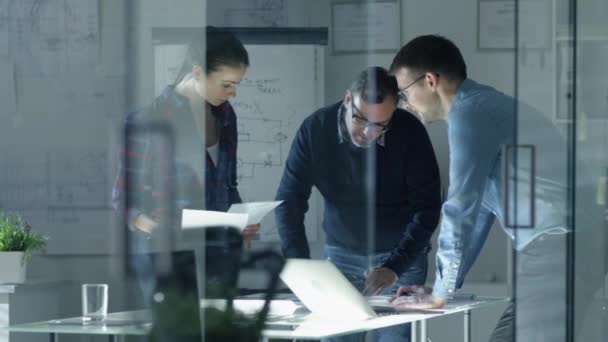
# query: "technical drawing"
(23, 182)
(63, 216)
(261, 145)
(78, 179)
(267, 86)
(244, 107)
(50, 37)
(57, 180)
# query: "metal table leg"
(414, 331)
(53, 337)
(423, 331)
(467, 326)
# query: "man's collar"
(342, 129)
(464, 89)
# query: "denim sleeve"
(474, 148)
(424, 194)
(294, 190)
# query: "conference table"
(296, 325)
(316, 328)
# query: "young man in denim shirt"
(481, 121)
(375, 167)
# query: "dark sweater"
(400, 203)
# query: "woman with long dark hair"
(155, 183)
(204, 124)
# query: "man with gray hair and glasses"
(375, 167)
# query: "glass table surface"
(117, 323)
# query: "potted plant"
(17, 243)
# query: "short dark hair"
(374, 84)
(431, 53)
(222, 48)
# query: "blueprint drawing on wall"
(48, 37)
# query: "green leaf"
(17, 236)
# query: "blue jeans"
(353, 267)
(142, 265)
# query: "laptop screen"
(325, 290)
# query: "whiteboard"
(282, 86)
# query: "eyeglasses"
(403, 93)
(230, 85)
(361, 121)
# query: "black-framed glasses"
(230, 84)
(361, 121)
(402, 93)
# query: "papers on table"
(379, 302)
(239, 215)
(255, 210)
(253, 306)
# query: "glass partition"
(184, 153)
(590, 113)
(559, 277)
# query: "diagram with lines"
(272, 101)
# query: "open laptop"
(326, 292)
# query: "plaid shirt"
(189, 157)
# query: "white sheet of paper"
(255, 210)
(379, 301)
(205, 218)
(253, 306)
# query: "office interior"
(72, 71)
